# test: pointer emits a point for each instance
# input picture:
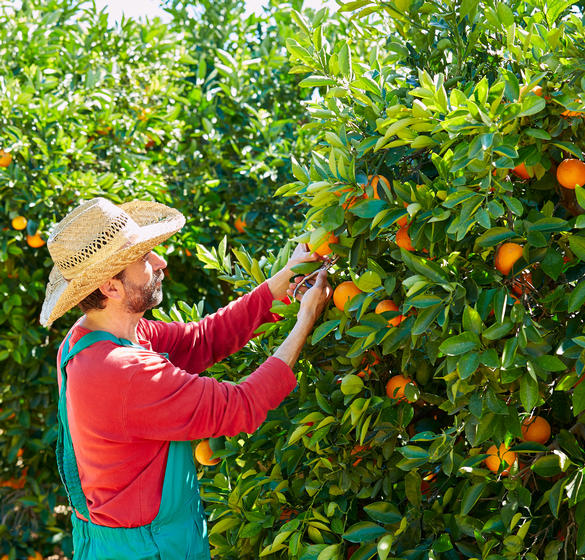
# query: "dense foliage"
(466, 112)
(470, 111)
(200, 117)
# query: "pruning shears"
(308, 277)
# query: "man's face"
(142, 283)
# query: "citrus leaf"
(460, 344)
(363, 531)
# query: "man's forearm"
(290, 349)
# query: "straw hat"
(96, 241)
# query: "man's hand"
(312, 304)
(279, 284)
(315, 299)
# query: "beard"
(141, 298)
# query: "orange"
(389, 305)
(521, 171)
(324, 248)
(374, 180)
(395, 387)
(35, 556)
(203, 454)
(523, 284)
(352, 200)
(240, 225)
(403, 239)
(19, 222)
(35, 240)
(537, 90)
(506, 255)
(496, 456)
(368, 367)
(288, 513)
(345, 292)
(571, 172)
(403, 222)
(537, 429)
(5, 158)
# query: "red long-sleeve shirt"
(126, 404)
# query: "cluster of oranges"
(35, 241)
(535, 429)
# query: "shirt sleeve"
(164, 402)
(196, 346)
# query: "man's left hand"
(279, 283)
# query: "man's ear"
(112, 289)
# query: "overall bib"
(178, 531)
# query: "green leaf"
(549, 465)
(550, 363)
(578, 399)
(363, 531)
(368, 281)
(577, 297)
(351, 385)
(494, 236)
(344, 58)
(468, 364)
(460, 344)
(498, 330)
(472, 320)
(531, 105)
(425, 318)
(577, 244)
(383, 512)
(422, 266)
(528, 392)
(470, 497)
(324, 329)
(317, 81)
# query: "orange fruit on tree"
(523, 284)
(374, 180)
(497, 455)
(537, 429)
(203, 454)
(324, 248)
(571, 172)
(352, 200)
(403, 239)
(19, 222)
(395, 387)
(389, 305)
(537, 90)
(506, 255)
(35, 556)
(240, 225)
(35, 240)
(368, 367)
(403, 222)
(345, 292)
(5, 158)
(521, 171)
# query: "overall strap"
(66, 461)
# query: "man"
(131, 398)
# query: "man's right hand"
(314, 300)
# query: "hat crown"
(93, 231)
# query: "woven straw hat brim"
(157, 223)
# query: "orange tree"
(467, 109)
(144, 110)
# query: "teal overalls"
(178, 531)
